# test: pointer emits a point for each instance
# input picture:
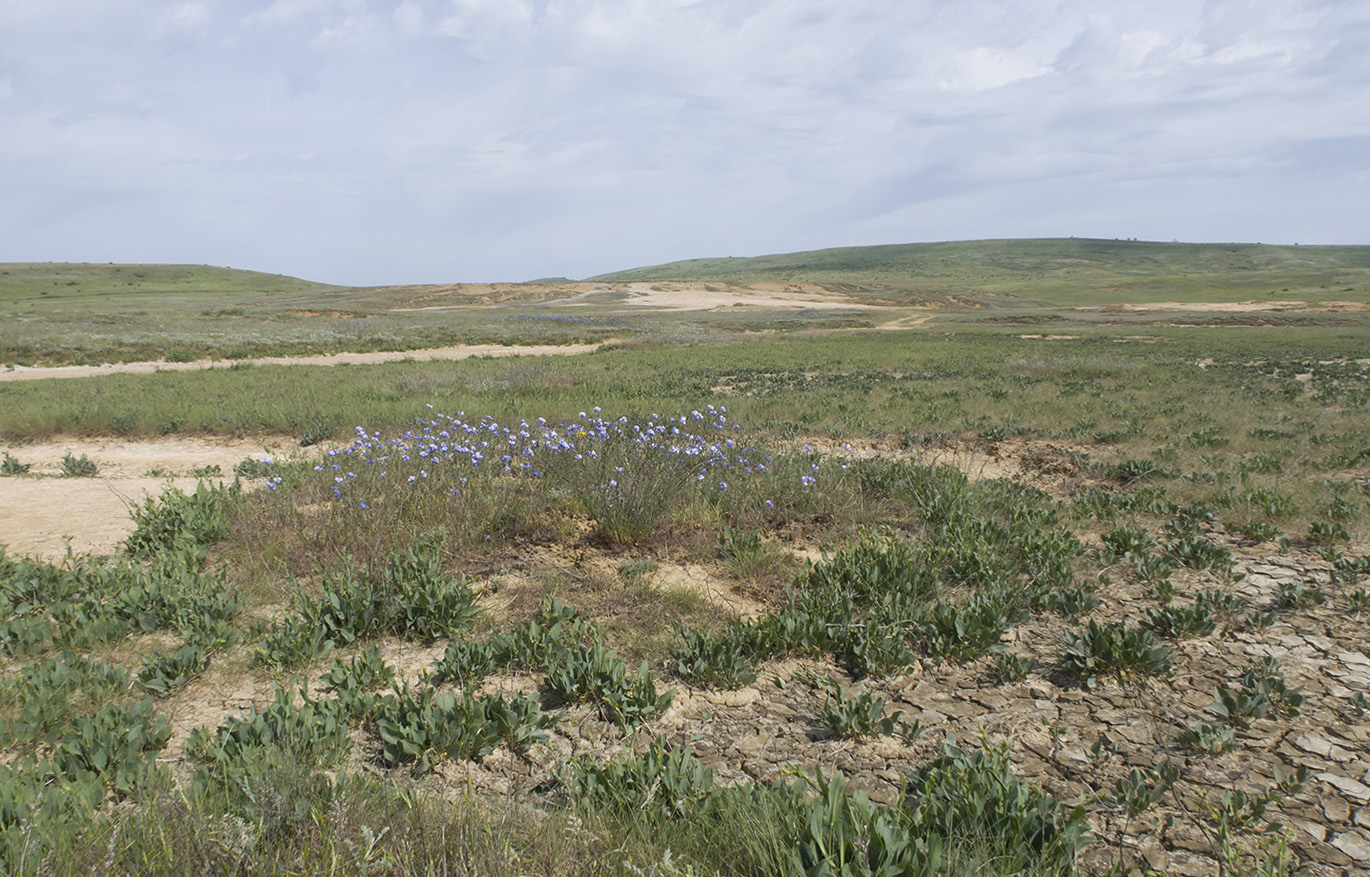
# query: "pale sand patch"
(464, 351)
(41, 511)
(680, 296)
(1234, 306)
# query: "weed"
(1181, 622)
(1296, 595)
(11, 466)
(713, 662)
(664, 783)
(1358, 601)
(1195, 552)
(1236, 815)
(1208, 739)
(353, 683)
(1113, 649)
(180, 522)
(1009, 667)
(168, 673)
(1327, 532)
(424, 726)
(859, 717)
(78, 467)
(252, 468)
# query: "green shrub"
(663, 783)
(310, 733)
(353, 683)
(1296, 595)
(1123, 541)
(1195, 552)
(411, 597)
(973, 628)
(599, 676)
(250, 468)
(874, 648)
(466, 662)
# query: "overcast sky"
(405, 141)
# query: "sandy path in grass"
(41, 510)
(465, 351)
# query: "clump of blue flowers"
(625, 472)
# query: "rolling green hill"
(1067, 271)
(72, 285)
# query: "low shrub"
(1113, 649)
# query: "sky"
(367, 142)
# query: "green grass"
(1074, 271)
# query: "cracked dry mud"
(763, 732)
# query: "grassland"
(1077, 271)
(1033, 585)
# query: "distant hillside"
(80, 283)
(1058, 270)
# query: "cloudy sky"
(399, 141)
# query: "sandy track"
(465, 351)
(40, 511)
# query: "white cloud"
(983, 68)
(179, 19)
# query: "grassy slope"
(1072, 271)
(69, 286)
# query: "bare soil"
(465, 351)
(43, 513)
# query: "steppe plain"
(1051, 551)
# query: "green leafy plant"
(177, 521)
(975, 798)
(78, 467)
(11, 466)
(1009, 667)
(166, 674)
(859, 717)
(713, 662)
(308, 732)
(1247, 841)
(250, 467)
(1181, 622)
(663, 782)
(1296, 595)
(353, 683)
(1124, 541)
(424, 726)
(1358, 601)
(1194, 551)
(1328, 532)
(113, 746)
(1206, 738)
(1113, 649)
